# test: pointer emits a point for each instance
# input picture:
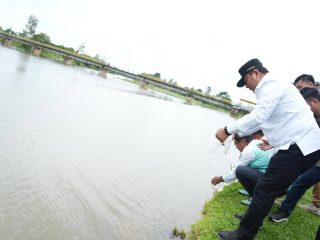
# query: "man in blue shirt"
(251, 165)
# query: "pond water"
(83, 157)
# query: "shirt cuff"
(232, 128)
(227, 179)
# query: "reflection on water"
(84, 157)
(22, 63)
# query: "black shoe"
(232, 235)
(238, 216)
(279, 216)
(241, 216)
(228, 235)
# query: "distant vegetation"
(30, 32)
(221, 96)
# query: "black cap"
(247, 67)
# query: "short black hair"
(259, 132)
(309, 92)
(305, 77)
(248, 138)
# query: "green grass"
(217, 215)
(194, 102)
(53, 56)
(52, 46)
(49, 55)
(180, 96)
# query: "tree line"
(29, 32)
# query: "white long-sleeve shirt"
(249, 154)
(284, 117)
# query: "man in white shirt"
(251, 165)
(288, 123)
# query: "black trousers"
(248, 177)
(284, 167)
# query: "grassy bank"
(178, 95)
(53, 56)
(183, 97)
(217, 215)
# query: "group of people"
(306, 84)
(287, 160)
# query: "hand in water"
(221, 135)
(216, 180)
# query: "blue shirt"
(251, 156)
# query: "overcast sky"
(196, 43)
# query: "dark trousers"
(248, 177)
(299, 187)
(318, 234)
(284, 167)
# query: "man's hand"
(265, 145)
(216, 180)
(221, 135)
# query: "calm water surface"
(82, 157)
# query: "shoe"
(232, 235)
(279, 216)
(238, 216)
(278, 201)
(311, 209)
(241, 216)
(243, 192)
(246, 202)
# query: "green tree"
(30, 28)
(42, 37)
(224, 95)
(199, 90)
(9, 30)
(157, 75)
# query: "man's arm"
(245, 158)
(268, 97)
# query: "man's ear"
(258, 73)
(313, 101)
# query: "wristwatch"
(226, 131)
